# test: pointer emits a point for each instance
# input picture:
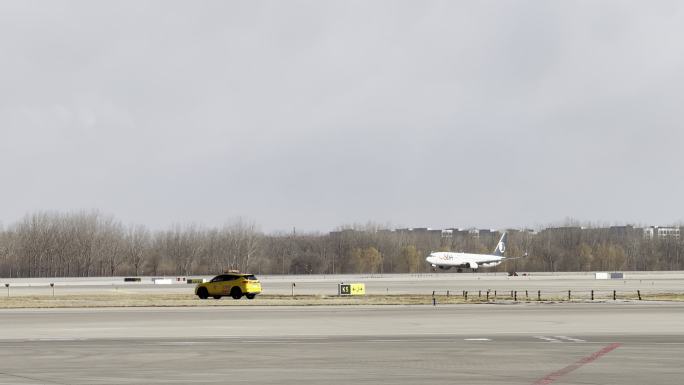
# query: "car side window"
(219, 278)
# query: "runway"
(622, 343)
(550, 284)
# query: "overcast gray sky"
(315, 114)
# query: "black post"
(538, 295)
(639, 294)
(434, 301)
(466, 295)
(479, 294)
(569, 295)
(592, 295)
(487, 295)
(494, 295)
(614, 295)
(511, 293)
(515, 296)
(527, 297)
(447, 293)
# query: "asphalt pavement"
(603, 343)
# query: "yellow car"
(233, 284)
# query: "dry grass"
(189, 300)
(663, 297)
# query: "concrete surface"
(549, 284)
(467, 344)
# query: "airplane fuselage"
(447, 260)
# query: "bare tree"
(137, 244)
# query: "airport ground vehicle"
(233, 284)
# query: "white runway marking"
(477, 339)
(548, 339)
(570, 339)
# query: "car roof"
(237, 274)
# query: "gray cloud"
(315, 114)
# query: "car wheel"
(217, 297)
(203, 293)
(250, 296)
(236, 293)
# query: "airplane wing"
(501, 260)
(490, 261)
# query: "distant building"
(562, 230)
(487, 233)
(419, 230)
(622, 232)
(519, 231)
(661, 232)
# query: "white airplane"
(446, 260)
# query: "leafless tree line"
(85, 244)
(91, 244)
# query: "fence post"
(511, 293)
(569, 297)
(592, 295)
(538, 295)
(527, 297)
(487, 295)
(614, 295)
(639, 294)
(494, 295)
(466, 295)
(479, 294)
(515, 296)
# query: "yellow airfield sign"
(351, 289)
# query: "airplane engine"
(471, 265)
(490, 264)
(445, 267)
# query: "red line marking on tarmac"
(552, 377)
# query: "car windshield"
(250, 277)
